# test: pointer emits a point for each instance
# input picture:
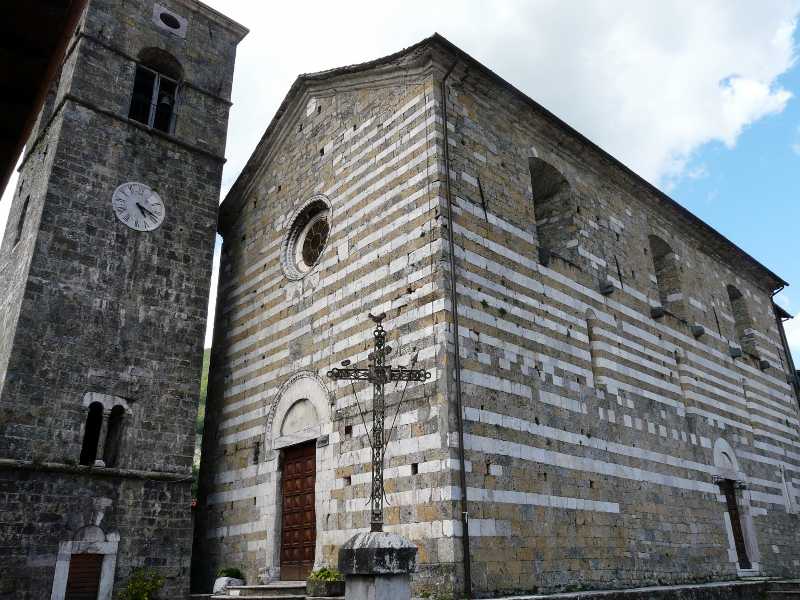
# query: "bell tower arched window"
(21, 221)
(114, 436)
(155, 90)
(91, 434)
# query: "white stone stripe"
(567, 461)
(533, 499)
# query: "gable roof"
(421, 50)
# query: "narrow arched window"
(743, 324)
(553, 208)
(668, 277)
(155, 90)
(113, 436)
(21, 221)
(91, 433)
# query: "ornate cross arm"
(352, 374)
(402, 374)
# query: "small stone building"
(104, 278)
(615, 367)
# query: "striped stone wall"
(595, 431)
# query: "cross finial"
(377, 318)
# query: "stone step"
(783, 595)
(275, 589)
(784, 586)
(262, 597)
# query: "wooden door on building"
(728, 489)
(298, 522)
(83, 581)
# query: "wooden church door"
(729, 491)
(83, 581)
(298, 522)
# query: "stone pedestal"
(377, 566)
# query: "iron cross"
(378, 373)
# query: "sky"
(700, 98)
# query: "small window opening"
(668, 279)
(91, 434)
(113, 436)
(21, 221)
(319, 109)
(169, 20)
(348, 430)
(322, 151)
(153, 99)
(347, 480)
(414, 468)
(743, 323)
(257, 452)
(553, 208)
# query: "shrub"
(141, 585)
(230, 572)
(326, 574)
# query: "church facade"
(104, 278)
(612, 400)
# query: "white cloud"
(212, 299)
(792, 327)
(649, 82)
(5, 201)
(783, 299)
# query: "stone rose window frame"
(308, 237)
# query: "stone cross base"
(377, 566)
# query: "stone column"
(377, 566)
(101, 440)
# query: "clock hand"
(143, 210)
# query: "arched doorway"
(297, 422)
(737, 519)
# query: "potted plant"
(141, 586)
(326, 582)
(227, 577)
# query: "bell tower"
(105, 269)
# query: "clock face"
(138, 206)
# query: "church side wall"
(370, 151)
(591, 426)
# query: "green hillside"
(201, 411)
(201, 416)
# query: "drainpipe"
(456, 344)
(786, 349)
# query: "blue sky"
(751, 192)
(700, 98)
